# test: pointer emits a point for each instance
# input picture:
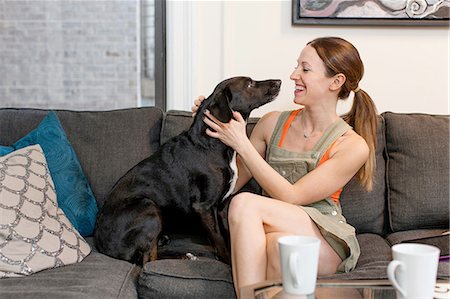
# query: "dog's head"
(240, 94)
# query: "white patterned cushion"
(34, 233)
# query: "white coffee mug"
(413, 270)
(299, 257)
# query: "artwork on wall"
(372, 12)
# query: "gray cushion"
(181, 244)
(107, 143)
(174, 123)
(175, 278)
(375, 257)
(355, 199)
(426, 236)
(417, 170)
(433, 237)
(97, 276)
(373, 261)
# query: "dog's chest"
(234, 175)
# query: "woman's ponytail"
(363, 118)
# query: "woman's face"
(311, 82)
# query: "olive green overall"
(325, 213)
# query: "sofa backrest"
(107, 143)
(411, 189)
(366, 211)
(417, 173)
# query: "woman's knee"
(240, 206)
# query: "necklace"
(306, 136)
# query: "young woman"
(301, 159)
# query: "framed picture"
(372, 12)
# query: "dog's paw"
(191, 256)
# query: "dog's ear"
(220, 105)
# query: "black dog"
(190, 172)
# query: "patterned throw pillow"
(34, 233)
(75, 196)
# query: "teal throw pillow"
(74, 195)
(4, 150)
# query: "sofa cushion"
(375, 257)
(97, 276)
(182, 245)
(436, 237)
(417, 170)
(184, 278)
(373, 261)
(427, 236)
(355, 199)
(175, 122)
(74, 194)
(107, 143)
(34, 232)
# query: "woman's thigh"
(276, 215)
(280, 218)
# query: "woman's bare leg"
(248, 243)
(256, 223)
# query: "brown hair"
(341, 57)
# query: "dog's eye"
(250, 85)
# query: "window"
(153, 66)
(82, 55)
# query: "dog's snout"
(274, 86)
(276, 83)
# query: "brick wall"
(65, 54)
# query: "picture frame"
(371, 12)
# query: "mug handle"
(295, 274)
(393, 265)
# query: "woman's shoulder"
(266, 124)
(351, 142)
(271, 116)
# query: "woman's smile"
(299, 89)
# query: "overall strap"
(336, 130)
(280, 127)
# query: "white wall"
(406, 68)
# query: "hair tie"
(356, 89)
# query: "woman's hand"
(197, 104)
(232, 133)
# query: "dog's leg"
(211, 224)
(222, 218)
(152, 255)
(144, 224)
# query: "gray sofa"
(410, 200)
